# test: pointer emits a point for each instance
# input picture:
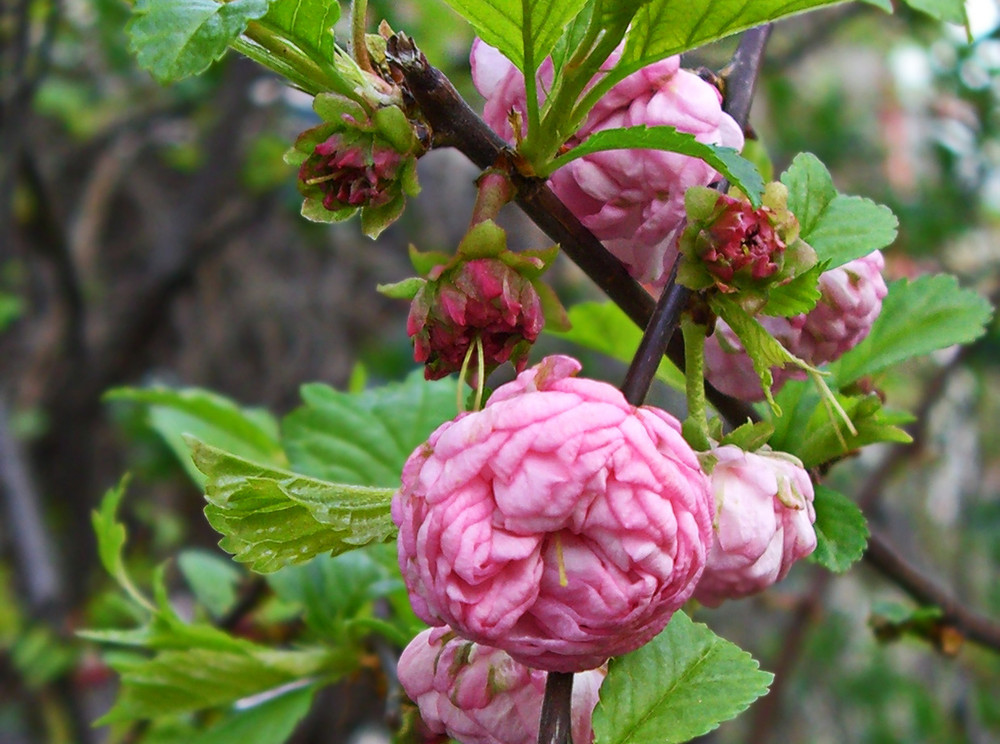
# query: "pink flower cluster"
(559, 523)
(480, 695)
(345, 173)
(633, 200)
(850, 302)
(743, 240)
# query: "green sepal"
(314, 211)
(749, 437)
(426, 262)
(393, 126)
(403, 290)
(376, 219)
(335, 109)
(485, 240)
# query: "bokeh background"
(151, 235)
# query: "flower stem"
(556, 707)
(696, 424)
(495, 190)
(359, 21)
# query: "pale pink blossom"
(479, 695)
(559, 523)
(633, 200)
(763, 522)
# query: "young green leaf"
(841, 531)
(798, 296)
(603, 327)
(807, 430)
(212, 578)
(726, 160)
(306, 23)
(520, 29)
(839, 228)
(665, 27)
(177, 38)
(917, 317)
(212, 418)
(951, 11)
(269, 722)
(111, 542)
(365, 438)
(181, 681)
(270, 517)
(682, 684)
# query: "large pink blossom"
(633, 200)
(559, 523)
(850, 301)
(763, 522)
(480, 695)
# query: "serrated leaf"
(918, 317)
(212, 579)
(270, 517)
(682, 684)
(307, 23)
(365, 438)
(841, 531)
(807, 430)
(665, 27)
(177, 38)
(798, 296)
(605, 328)
(514, 26)
(211, 418)
(111, 537)
(739, 171)
(270, 722)
(839, 228)
(174, 682)
(951, 11)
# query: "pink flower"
(850, 302)
(763, 522)
(633, 200)
(742, 240)
(483, 297)
(559, 523)
(480, 695)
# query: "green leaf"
(807, 429)
(798, 296)
(520, 29)
(682, 684)
(885, 5)
(212, 578)
(739, 171)
(917, 317)
(210, 417)
(750, 436)
(951, 11)
(365, 438)
(839, 228)
(841, 531)
(605, 328)
(270, 517)
(665, 27)
(307, 23)
(177, 38)
(271, 722)
(111, 537)
(174, 682)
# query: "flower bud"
(479, 695)
(559, 523)
(763, 522)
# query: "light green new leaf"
(270, 722)
(841, 531)
(665, 27)
(519, 26)
(174, 682)
(839, 228)
(917, 317)
(365, 438)
(952, 11)
(726, 160)
(270, 517)
(177, 38)
(307, 23)
(807, 429)
(212, 578)
(211, 418)
(111, 537)
(605, 328)
(682, 684)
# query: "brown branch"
(556, 721)
(455, 124)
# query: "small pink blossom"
(742, 240)
(763, 522)
(480, 695)
(633, 200)
(559, 523)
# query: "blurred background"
(151, 235)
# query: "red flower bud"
(742, 241)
